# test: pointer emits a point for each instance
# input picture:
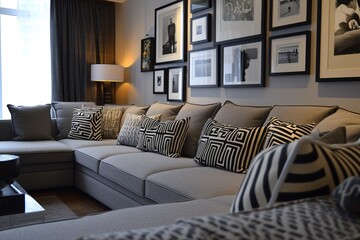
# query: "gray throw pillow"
(31, 122)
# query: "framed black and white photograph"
(176, 84)
(160, 81)
(243, 64)
(199, 5)
(239, 20)
(289, 13)
(170, 32)
(147, 54)
(290, 54)
(338, 37)
(200, 29)
(203, 68)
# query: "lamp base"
(105, 93)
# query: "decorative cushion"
(198, 114)
(86, 124)
(167, 111)
(334, 137)
(242, 116)
(31, 122)
(63, 113)
(129, 132)
(347, 195)
(341, 117)
(229, 147)
(166, 137)
(302, 169)
(280, 132)
(134, 110)
(111, 119)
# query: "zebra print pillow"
(301, 169)
(229, 147)
(280, 132)
(166, 137)
(86, 124)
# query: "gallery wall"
(135, 21)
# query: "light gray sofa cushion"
(131, 170)
(167, 111)
(341, 117)
(191, 183)
(76, 144)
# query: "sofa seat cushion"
(131, 170)
(191, 183)
(76, 144)
(90, 157)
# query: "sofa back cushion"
(167, 111)
(341, 117)
(139, 110)
(198, 114)
(242, 116)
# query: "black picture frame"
(337, 56)
(171, 32)
(200, 29)
(160, 81)
(289, 54)
(243, 64)
(147, 54)
(176, 90)
(287, 14)
(199, 5)
(229, 21)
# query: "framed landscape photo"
(203, 68)
(289, 13)
(170, 32)
(160, 81)
(176, 84)
(199, 5)
(338, 48)
(200, 29)
(239, 20)
(243, 64)
(147, 54)
(290, 54)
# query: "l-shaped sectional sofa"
(125, 177)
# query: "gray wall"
(135, 19)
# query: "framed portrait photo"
(203, 68)
(231, 16)
(160, 81)
(289, 13)
(200, 29)
(338, 48)
(147, 54)
(170, 32)
(176, 84)
(243, 64)
(290, 54)
(199, 5)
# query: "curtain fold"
(82, 33)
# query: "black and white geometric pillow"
(229, 147)
(166, 137)
(297, 170)
(280, 132)
(86, 124)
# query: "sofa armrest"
(6, 131)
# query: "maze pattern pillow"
(280, 132)
(86, 124)
(226, 146)
(166, 137)
(301, 169)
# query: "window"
(25, 70)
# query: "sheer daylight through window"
(25, 70)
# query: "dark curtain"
(82, 33)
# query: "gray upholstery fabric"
(192, 183)
(334, 137)
(340, 118)
(119, 220)
(125, 169)
(135, 110)
(90, 157)
(352, 133)
(76, 144)
(167, 111)
(242, 116)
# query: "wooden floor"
(80, 203)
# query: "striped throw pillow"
(86, 124)
(301, 169)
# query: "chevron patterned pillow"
(229, 147)
(86, 124)
(280, 132)
(166, 137)
(301, 169)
